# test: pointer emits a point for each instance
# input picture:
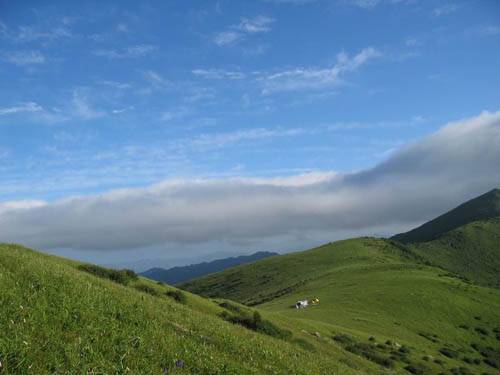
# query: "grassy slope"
(472, 251)
(54, 318)
(485, 206)
(368, 287)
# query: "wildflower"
(179, 363)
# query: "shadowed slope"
(486, 206)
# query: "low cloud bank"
(414, 184)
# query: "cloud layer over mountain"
(412, 185)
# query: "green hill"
(378, 300)
(59, 316)
(472, 251)
(486, 206)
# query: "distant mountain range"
(177, 275)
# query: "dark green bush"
(147, 289)
(448, 353)
(482, 331)
(177, 295)
(344, 339)
(256, 323)
(417, 368)
(231, 307)
(491, 362)
(369, 352)
(118, 276)
(461, 371)
(404, 349)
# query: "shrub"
(439, 362)
(177, 295)
(448, 353)
(463, 326)
(231, 307)
(461, 371)
(491, 362)
(147, 289)
(256, 323)
(398, 356)
(371, 338)
(369, 352)
(417, 368)
(404, 349)
(482, 331)
(118, 276)
(344, 339)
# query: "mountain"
(472, 251)
(465, 240)
(177, 275)
(378, 299)
(61, 316)
(486, 206)
(385, 307)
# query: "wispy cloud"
(22, 58)
(28, 34)
(259, 24)
(246, 27)
(82, 108)
(227, 38)
(23, 107)
(136, 51)
(225, 139)
(371, 4)
(316, 78)
(174, 114)
(32, 33)
(485, 30)
(444, 10)
(218, 74)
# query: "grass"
(370, 288)
(472, 251)
(58, 318)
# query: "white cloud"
(224, 139)
(246, 27)
(28, 34)
(174, 114)
(444, 10)
(227, 38)
(218, 74)
(414, 184)
(23, 57)
(259, 24)
(82, 108)
(24, 107)
(136, 51)
(487, 30)
(316, 78)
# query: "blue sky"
(99, 96)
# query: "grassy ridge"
(484, 207)
(374, 292)
(472, 251)
(55, 318)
